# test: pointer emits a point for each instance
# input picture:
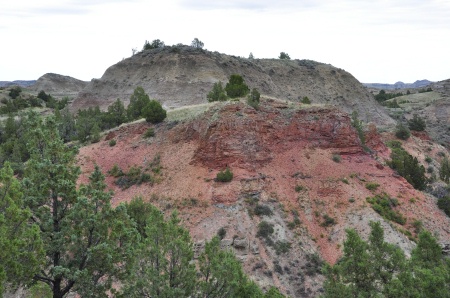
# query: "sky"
(377, 41)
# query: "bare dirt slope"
(282, 157)
(179, 76)
(58, 85)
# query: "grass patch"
(372, 186)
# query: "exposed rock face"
(180, 76)
(270, 151)
(399, 85)
(58, 85)
(252, 138)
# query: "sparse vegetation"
(253, 98)
(416, 123)
(328, 221)
(336, 158)
(261, 209)
(444, 170)
(284, 56)
(402, 132)
(221, 233)
(217, 93)
(306, 100)
(265, 229)
(135, 175)
(372, 186)
(384, 205)
(112, 143)
(150, 132)
(224, 176)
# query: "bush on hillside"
(236, 86)
(224, 176)
(154, 112)
(416, 123)
(217, 93)
(402, 132)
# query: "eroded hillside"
(299, 168)
(180, 76)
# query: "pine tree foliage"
(379, 269)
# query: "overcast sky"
(376, 40)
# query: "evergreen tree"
(236, 86)
(138, 100)
(217, 93)
(20, 244)
(163, 267)
(86, 242)
(116, 115)
(416, 123)
(154, 112)
(444, 170)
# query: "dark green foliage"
(81, 231)
(163, 266)
(44, 96)
(265, 229)
(416, 123)
(253, 98)
(314, 264)
(154, 112)
(284, 56)
(444, 204)
(359, 126)
(196, 43)
(336, 158)
(14, 92)
(21, 248)
(156, 43)
(372, 185)
(217, 93)
(236, 86)
(408, 167)
(378, 269)
(282, 247)
(384, 205)
(261, 209)
(327, 221)
(383, 96)
(135, 175)
(138, 100)
(116, 115)
(224, 176)
(221, 233)
(306, 100)
(66, 124)
(402, 132)
(112, 143)
(115, 171)
(444, 170)
(299, 188)
(150, 132)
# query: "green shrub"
(444, 204)
(298, 188)
(408, 167)
(221, 233)
(383, 205)
(327, 221)
(336, 158)
(444, 170)
(306, 100)
(217, 93)
(112, 142)
(282, 247)
(253, 98)
(265, 229)
(135, 175)
(150, 132)
(115, 171)
(372, 186)
(224, 176)
(236, 86)
(261, 209)
(416, 123)
(154, 112)
(284, 56)
(402, 132)
(15, 92)
(428, 159)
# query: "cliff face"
(181, 76)
(282, 157)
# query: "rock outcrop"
(181, 76)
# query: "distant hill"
(20, 83)
(182, 76)
(58, 85)
(399, 85)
